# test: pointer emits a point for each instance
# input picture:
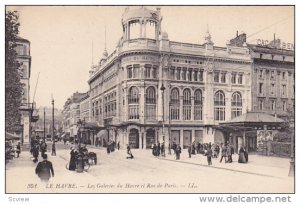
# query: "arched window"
(236, 105)
(133, 103)
(150, 103)
(198, 105)
(219, 102)
(187, 104)
(175, 104)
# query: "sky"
(66, 40)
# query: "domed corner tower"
(141, 22)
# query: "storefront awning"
(93, 126)
(253, 119)
(11, 136)
(102, 134)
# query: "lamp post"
(292, 162)
(44, 125)
(53, 136)
(169, 129)
(162, 88)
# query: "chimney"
(237, 33)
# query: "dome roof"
(140, 12)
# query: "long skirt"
(242, 158)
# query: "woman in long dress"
(242, 158)
(72, 164)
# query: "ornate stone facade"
(151, 89)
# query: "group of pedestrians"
(158, 149)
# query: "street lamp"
(292, 162)
(53, 136)
(162, 88)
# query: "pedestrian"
(118, 145)
(190, 151)
(242, 158)
(162, 149)
(246, 155)
(129, 153)
(174, 147)
(224, 153)
(158, 149)
(44, 169)
(178, 152)
(53, 153)
(73, 158)
(43, 146)
(209, 155)
(229, 154)
(35, 153)
(18, 149)
(154, 150)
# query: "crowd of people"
(224, 151)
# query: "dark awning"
(10, 136)
(91, 126)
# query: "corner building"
(151, 89)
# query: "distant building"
(272, 75)
(24, 58)
(71, 114)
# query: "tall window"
(175, 104)
(261, 73)
(216, 76)
(272, 75)
(129, 72)
(178, 74)
(136, 68)
(148, 71)
(236, 105)
(272, 89)
(172, 73)
(150, 103)
(154, 72)
(183, 74)
(283, 75)
(261, 88)
(133, 103)
(284, 105)
(223, 77)
(260, 104)
(233, 78)
(201, 75)
(240, 79)
(195, 75)
(219, 102)
(273, 105)
(190, 75)
(187, 104)
(198, 105)
(283, 90)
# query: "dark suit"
(44, 170)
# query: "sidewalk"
(20, 173)
(257, 165)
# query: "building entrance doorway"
(150, 138)
(133, 138)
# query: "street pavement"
(148, 174)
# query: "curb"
(221, 168)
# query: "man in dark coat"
(178, 152)
(44, 169)
(190, 151)
(18, 149)
(224, 153)
(35, 153)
